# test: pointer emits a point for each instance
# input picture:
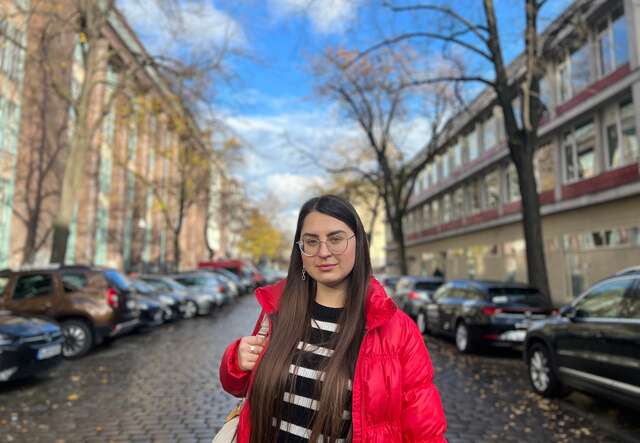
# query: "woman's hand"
(248, 351)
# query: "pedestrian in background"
(340, 361)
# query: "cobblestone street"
(163, 386)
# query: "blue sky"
(270, 102)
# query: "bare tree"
(376, 97)
(480, 40)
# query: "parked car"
(152, 312)
(171, 306)
(28, 346)
(230, 288)
(194, 302)
(592, 345)
(89, 303)
(484, 312)
(389, 283)
(412, 293)
(209, 283)
(243, 287)
(201, 289)
(241, 268)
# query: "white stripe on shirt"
(325, 352)
(324, 325)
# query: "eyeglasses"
(336, 245)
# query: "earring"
(304, 274)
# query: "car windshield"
(143, 287)
(118, 280)
(507, 294)
(427, 285)
(158, 284)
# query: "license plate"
(517, 336)
(49, 351)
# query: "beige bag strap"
(264, 325)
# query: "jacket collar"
(379, 307)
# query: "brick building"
(125, 215)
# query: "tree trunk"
(531, 219)
(398, 234)
(75, 163)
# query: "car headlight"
(6, 339)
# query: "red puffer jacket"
(394, 398)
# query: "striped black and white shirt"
(300, 400)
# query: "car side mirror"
(568, 312)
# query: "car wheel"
(463, 338)
(190, 309)
(543, 379)
(78, 338)
(421, 321)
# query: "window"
(489, 133)
(444, 159)
(604, 301)
(72, 281)
(564, 83)
(492, 181)
(452, 159)
(472, 142)
(458, 203)
(435, 213)
(620, 37)
(580, 68)
(511, 186)
(630, 148)
(430, 180)
(546, 95)
(29, 286)
(632, 306)
(457, 150)
(446, 209)
(544, 168)
(579, 152)
(620, 135)
(612, 42)
(475, 196)
(427, 215)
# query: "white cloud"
(197, 25)
(326, 16)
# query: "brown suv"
(90, 303)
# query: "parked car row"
(591, 345)
(64, 311)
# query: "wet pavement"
(163, 386)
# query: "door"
(582, 348)
(33, 294)
(450, 306)
(434, 322)
(622, 369)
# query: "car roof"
(633, 270)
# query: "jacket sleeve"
(423, 419)
(233, 379)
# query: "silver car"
(197, 302)
(202, 285)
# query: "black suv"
(484, 312)
(593, 345)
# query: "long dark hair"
(290, 323)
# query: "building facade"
(465, 215)
(126, 212)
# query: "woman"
(340, 361)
